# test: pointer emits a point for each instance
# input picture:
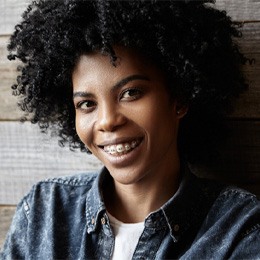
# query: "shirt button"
(103, 221)
(93, 221)
(149, 221)
(176, 228)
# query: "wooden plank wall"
(27, 156)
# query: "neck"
(134, 202)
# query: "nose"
(110, 118)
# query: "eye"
(131, 94)
(87, 105)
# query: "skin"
(118, 104)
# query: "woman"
(144, 86)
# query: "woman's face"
(124, 115)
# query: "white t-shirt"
(126, 238)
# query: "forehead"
(95, 68)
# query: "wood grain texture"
(27, 156)
(8, 74)
(6, 215)
(11, 12)
(248, 105)
(240, 10)
(250, 41)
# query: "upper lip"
(118, 141)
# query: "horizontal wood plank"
(249, 43)
(27, 156)
(11, 12)
(8, 74)
(241, 10)
(247, 106)
(6, 215)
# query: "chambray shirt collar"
(187, 208)
(184, 209)
(181, 211)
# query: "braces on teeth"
(120, 148)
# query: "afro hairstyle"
(190, 40)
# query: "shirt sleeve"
(16, 240)
(249, 246)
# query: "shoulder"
(242, 207)
(225, 207)
(73, 181)
(60, 191)
(227, 197)
(238, 200)
(229, 222)
(84, 180)
(236, 210)
(79, 182)
(53, 208)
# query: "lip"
(122, 160)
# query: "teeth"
(133, 144)
(127, 147)
(120, 148)
(106, 149)
(112, 149)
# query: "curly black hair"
(188, 39)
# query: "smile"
(121, 148)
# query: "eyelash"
(137, 94)
(80, 104)
(133, 97)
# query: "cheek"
(156, 115)
(83, 129)
(161, 121)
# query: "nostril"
(110, 119)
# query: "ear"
(181, 110)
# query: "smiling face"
(125, 117)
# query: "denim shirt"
(65, 218)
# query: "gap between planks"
(6, 215)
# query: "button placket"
(103, 221)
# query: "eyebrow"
(119, 84)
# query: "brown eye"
(131, 94)
(86, 105)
